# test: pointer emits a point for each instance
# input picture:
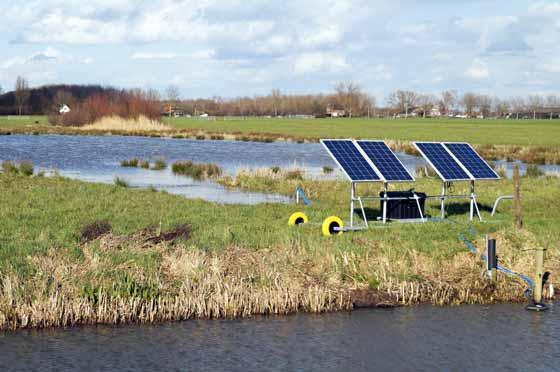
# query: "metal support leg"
(419, 207)
(443, 193)
(385, 202)
(352, 193)
(363, 212)
(474, 204)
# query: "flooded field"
(97, 159)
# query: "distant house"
(203, 115)
(335, 112)
(64, 109)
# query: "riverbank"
(529, 141)
(228, 261)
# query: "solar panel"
(385, 161)
(351, 160)
(472, 161)
(441, 160)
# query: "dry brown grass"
(238, 282)
(115, 123)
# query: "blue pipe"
(301, 194)
(472, 248)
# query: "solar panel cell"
(446, 166)
(385, 161)
(471, 160)
(349, 158)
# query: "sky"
(231, 48)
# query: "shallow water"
(424, 338)
(97, 159)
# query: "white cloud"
(478, 70)
(198, 55)
(319, 62)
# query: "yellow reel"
(297, 218)
(332, 226)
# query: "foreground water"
(423, 338)
(97, 159)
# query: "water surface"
(467, 338)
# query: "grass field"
(518, 132)
(482, 132)
(241, 260)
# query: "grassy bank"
(239, 260)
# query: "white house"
(64, 109)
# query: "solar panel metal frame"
(478, 155)
(377, 169)
(471, 178)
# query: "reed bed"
(198, 171)
(115, 123)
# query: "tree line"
(347, 99)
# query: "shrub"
(26, 168)
(295, 174)
(533, 171)
(145, 164)
(275, 169)
(129, 163)
(121, 182)
(196, 170)
(9, 167)
(125, 104)
(159, 164)
(327, 169)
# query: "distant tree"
(22, 93)
(469, 103)
(276, 97)
(501, 107)
(173, 95)
(426, 102)
(518, 105)
(484, 104)
(535, 103)
(61, 98)
(348, 95)
(447, 101)
(403, 100)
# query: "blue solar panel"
(447, 167)
(349, 158)
(385, 161)
(472, 161)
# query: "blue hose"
(301, 194)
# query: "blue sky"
(245, 47)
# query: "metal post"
(472, 201)
(539, 263)
(352, 192)
(492, 258)
(385, 202)
(443, 193)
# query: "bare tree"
(348, 95)
(501, 107)
(22, 93)
(469, 102)
(403, 100)
(535, 103)
(173, 95)
(484, 104)
(276, 96)
(517, 105)
(426, 102)
(447, 101)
